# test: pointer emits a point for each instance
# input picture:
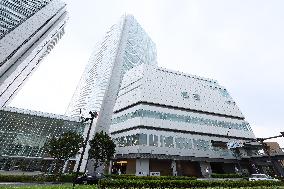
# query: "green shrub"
(215, 175)
(133, 177)
(128, 183)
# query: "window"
(153, 140)
(185, 94)
(169, 142)
(196, 97)
(180, 118)
(162, 141)
(142, 139)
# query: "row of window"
(7, 20)
(186, 75)
(162, 141)
(21, 150)
(15, 12)
(180, 118)
(186, 95)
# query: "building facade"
(170, 123)
(29, 29)
(125, 46)
(274, 147)
(164, 122)
(24, 133)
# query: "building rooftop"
(40, 114)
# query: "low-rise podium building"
(24, 133)
(167, 122)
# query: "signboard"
(235, 144)
(154, 173)
(141, 174)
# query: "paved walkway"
(28, 183)
(20, 173)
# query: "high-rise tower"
(125, 46)
(29, 29)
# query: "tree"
(64, 147)
(102, 149)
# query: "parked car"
(89, 179)
(255, 177)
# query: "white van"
(254, 177)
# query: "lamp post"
(93, 115)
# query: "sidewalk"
(220, 179)
(16, 172)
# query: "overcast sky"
(239, 43)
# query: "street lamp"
(263, 139)
(93, 115)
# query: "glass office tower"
(125, 46)
(29, 29)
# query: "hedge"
(215, 175)
(133, 177)
(69, 178)
(94, 187)
(127, 183)
(36, 178)
(65, 186)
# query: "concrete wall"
(205, 169)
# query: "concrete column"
(65, 166)
(174, 167)
(88, 166)
(205, 168)
(91, 170)
(278, 167)
(142, 167)
(110, 167)
(50, 169)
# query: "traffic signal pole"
(93, 115)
